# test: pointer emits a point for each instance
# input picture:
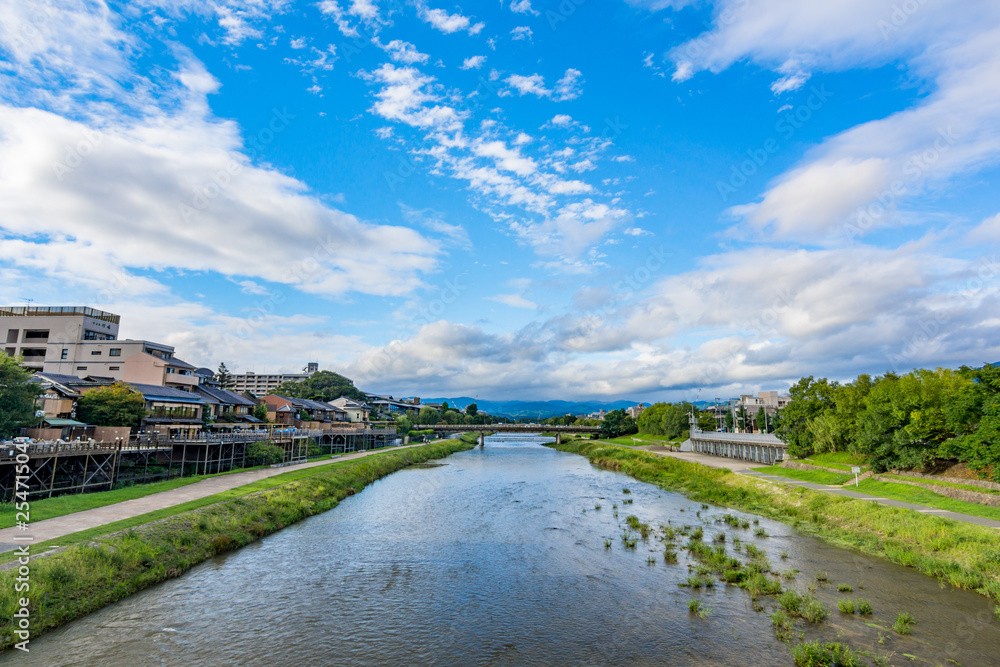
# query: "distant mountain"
(539, 409)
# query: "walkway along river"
(498, 557)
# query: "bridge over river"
(483, 429)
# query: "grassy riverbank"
(86, 577)
(963, 555)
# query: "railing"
(755, 438)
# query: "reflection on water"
(498, 558)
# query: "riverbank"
(86, 577)
(963, 555)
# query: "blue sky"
(645, 199)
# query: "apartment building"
(40, 334)
(265, 383)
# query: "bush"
(263, 454)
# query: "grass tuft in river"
(903, 623)
(828, 654)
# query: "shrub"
(846, 605)
(864, 607)
(263, 454)
(903, 623)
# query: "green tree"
(222, 375)
(428, 416)
(117, 405)
(761, 421)
(975, 411)
(706, 420)
(617, 423)
(729, 421)
(472, 410)
(260, 412)
(809, 399)
(403, 424)
(17, 397)
(322, 386)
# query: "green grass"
(49, 508)
(934, 482)
(839, 460)
(829, 654)
(86, 577)
(814, 476)
(960, 554)
(166, 512)
(903, 623)
(920, 496)
(644, 439)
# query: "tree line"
(900, 421)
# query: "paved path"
(747, 468)
(60, 526)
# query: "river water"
(497, 557)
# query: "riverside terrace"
(57, 467)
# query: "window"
(114, 368)
(43, 334)
(170, 371)
(10, 351)
(65, 354)
(12, 335)
(81, 368)
(95, 353)
(115, 352)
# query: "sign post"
(856, 470)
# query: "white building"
(43, 334)
(357, 412)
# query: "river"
(498, 557)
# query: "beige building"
(40, 334)
(138, 361)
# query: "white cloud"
(637, 231)
(403, 52)
(514, 301)
(567, 88)
(561, 120)
(175, 188)
(522, 7)
(528, 85)
(298, 43)
(863, 178)
(988, 231)
(473, 62)
(508, 159)
(447, 23)
(520, 33)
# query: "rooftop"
(57, 311)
